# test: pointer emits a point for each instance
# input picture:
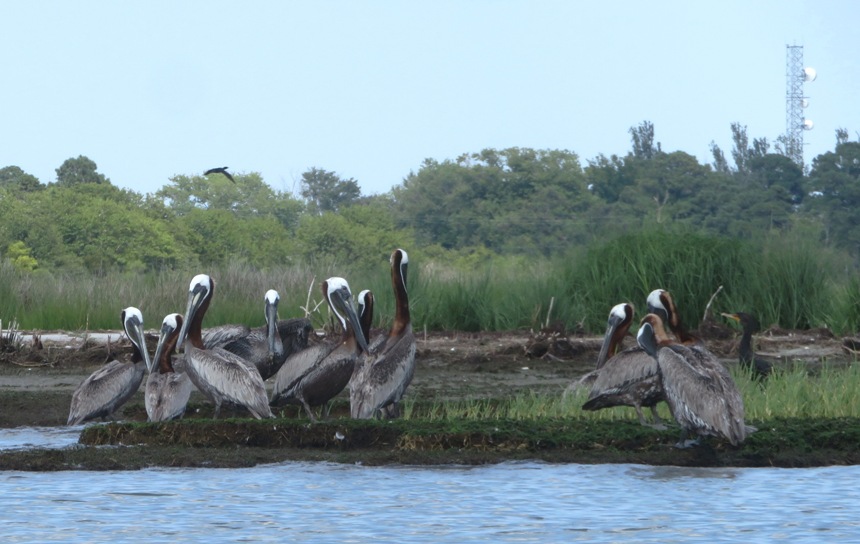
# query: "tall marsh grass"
(781, 280)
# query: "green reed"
(782, 281)
(76, 302)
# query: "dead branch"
(711, 301)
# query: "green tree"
(772, 170)
(742, 152)
(720, 163)
(106, 231)
(607, 177)
(249, 197)
(644, 146)
(19, 254)
(513, 200)
(363, 235)
(29, 217)
(835, 182)
(13, 177)
(79, 170)
(325, 191)
(213, 236)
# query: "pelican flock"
(230, 364)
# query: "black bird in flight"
(222, 170)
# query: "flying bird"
(221, 170)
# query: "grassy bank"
(804, 419)
(241, 443)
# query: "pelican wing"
(105, 390)
(295, 333)
(296, 367)
(167, 395)
(230, 377)
(701, 392)
(214, 337)
(629, 378)
(383, 378)
(251, 346)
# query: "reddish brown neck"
(618, 337)
(401, 298)
(165, 365)
(195, 328)
(660, 334)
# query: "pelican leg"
(392, 411)
(684, 443)
(217, 410)
(641, 416)
(308, 411)
(658, 422)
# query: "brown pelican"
(660, 302)
(701, 394)
(267, 347)
(220, 170)
(221, 376)
(317, 374)
(760, 368)
(167, 391)
(629, 377)
(382, 377)
(109, 387)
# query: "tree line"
(509, 202)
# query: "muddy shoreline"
(36, 385)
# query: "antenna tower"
(795, 123)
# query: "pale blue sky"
(369, 89)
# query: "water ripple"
(509, 502)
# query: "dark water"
(510, 502)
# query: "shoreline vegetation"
(785, 280)
(498, 342)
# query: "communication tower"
(795, 122)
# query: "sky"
(370, 89)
